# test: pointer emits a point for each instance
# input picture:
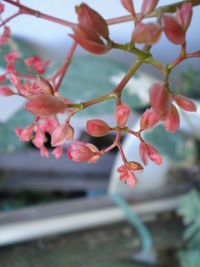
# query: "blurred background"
(58, 213)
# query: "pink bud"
(148, 6)
(160, 99)
(185, 103)
(148, 151)
(45, 86)
(148, 33)
(45, 105)
(97, 128)
(6, 91)
(3, 78)
(128, 5)
(14, 80)
(61, 134)
(90, 41)
(80, 152)
(173, 30)
(58, 152)
(11, 57)
(122, 113)
(184, 15)
(172, 121)
(149, 119)
(44, 152)
(91, 20)
(39, 138)
(5, 36)
(127, 172)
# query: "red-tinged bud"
(11, 57)
(148, 151)
(127, 172)
(160, 99)
(58, 152)
(6, 91)
(122, 114)
(173, 30)
(146, 33)
(184, 15)
(148, 6)
(90, 41)
(97, 128)
(3, 78)
(14, 80)
(91, 20)
(128, 5)
(45, 105)
(185, 103)
(81, 152)
(172, 122)
(149, 119)
(61, 134)
(45, 86)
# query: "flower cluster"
(92, 34)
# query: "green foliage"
(189, 83)
(189, 210)
(175, 146)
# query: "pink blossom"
(97, 128)
(48, 125)
(172, 121)
(185, 103)
(25, 135)
(39, 138)
(44, 152)
(58, 152)
(5, 36)
(3, 78)
(148, 151)
(38, 65)
(149, 119)
(127, 172)
(11, 57)
(61, 134)
(6, 91)
(80, 152)
(15, 81)
(122, 114)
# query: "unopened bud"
(97, 128)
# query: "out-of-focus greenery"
(189, 83)
(190, 211)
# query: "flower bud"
(45, 86)
(133, 166)
(148, 151)
(90, 41)
(45, 105)
(173, 30)
(11, 57)
(122, 113)
(160, 99)
(148, 6)
(58, 152)
(184, 15)
(146, 33)
(61, 134)
(128, 5)
(6, 91)
(172, 121)
(185, 103)
(97, 128)
(3, 78)
(149, 119)
(91, 20)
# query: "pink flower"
(81, 152)
(15, 81)
(38, 65)
(148, 151)
(45, 105)
(39, 138)
(172, 121)
(3, 78)
(146, 33)
(5, 36)
(6, 91)
(44, 152)
(25, 135)
(149, 119)
(185, 103)
(148, 6)
(58, 152)
(128, 5)
(97, 128)
(61, 134)
(11, 57)
(160, 99)
(48, 125)
(184, 15)
(127, 172)
(122, 114)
